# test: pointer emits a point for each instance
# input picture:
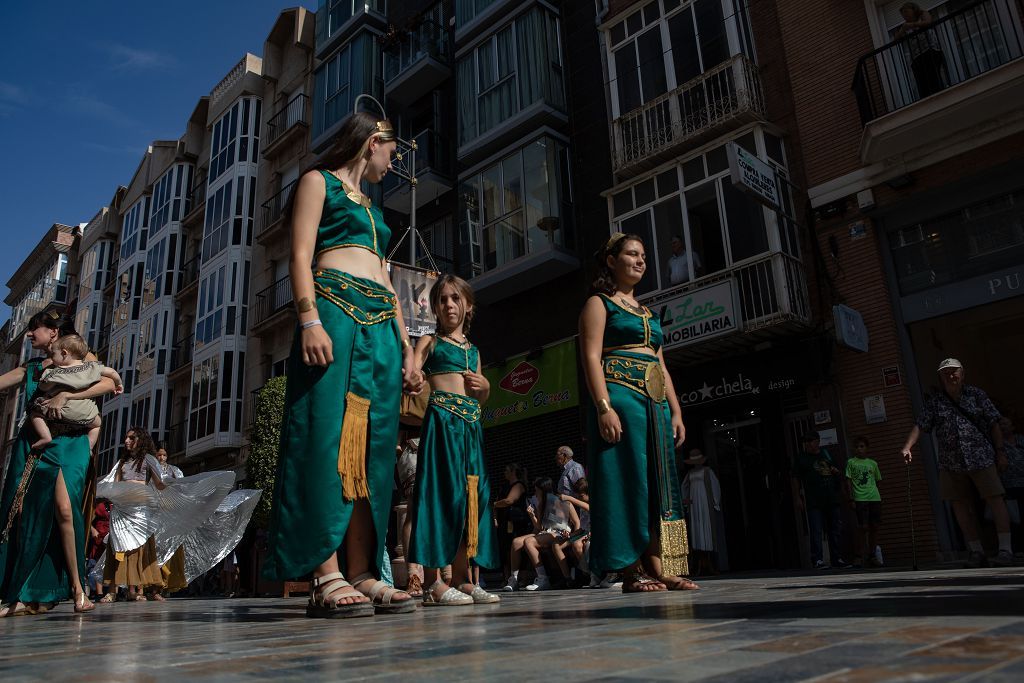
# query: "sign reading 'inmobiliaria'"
(699, 314)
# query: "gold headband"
(613, 240)
(385, 130)
(53, 315)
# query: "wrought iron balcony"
(181, 353)
(272, 210)
(772, 290)
(292, 116)
(275, 298)
(417, 62)
(196, 198)
(189, 275)
(960, 46)
(721, 98)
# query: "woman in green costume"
(43, 533)
(634, 426)
(350, 358)
(451, 513)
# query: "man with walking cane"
(970, 455)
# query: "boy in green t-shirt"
(863, 476)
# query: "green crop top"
(625, 329)
(345, 223)
(447, 356)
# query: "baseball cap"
(949, 363)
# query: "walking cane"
(910, 502)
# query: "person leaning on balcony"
(926, 59)
(349, 362)
(970, 453)
(42, 528)
(636, 524)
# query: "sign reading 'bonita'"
(699, 314)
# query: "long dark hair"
(545, 485)
(465, 293)
(54, 320)
(517, 471)
(350, 142)
(604, 283)
(143, 446)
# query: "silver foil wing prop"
(186, 504)
(211, 542)
(134, 513)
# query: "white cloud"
(12, 97)
(89, 105)
(131, 58)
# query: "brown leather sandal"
(638, 582)
(324, 594)
(382, 595)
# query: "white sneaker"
(510, 587)
(609, 580)
(541, 583)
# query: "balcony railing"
(274, 298)
(181, 354)
(197, 195)
(273, 209)
(727, 93)
(427, 40)
(772, 290)
(189, 273)
(176, 440)
(295, 113)
(963, 44)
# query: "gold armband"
(304, 305)
(603, 406)
(405, 343)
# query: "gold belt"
(642, 376)
(466, 407)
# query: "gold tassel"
(472, 515)
(674, 548)
(352, 448)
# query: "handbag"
(412, 408)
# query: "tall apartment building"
(911, 152)
(46, 279)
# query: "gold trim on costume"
(645, 377)
(465, 407)
(352, 448)
(472, 514)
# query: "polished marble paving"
(942, 625)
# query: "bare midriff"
(355, 261)
(452, 382)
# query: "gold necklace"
(354, 195)
(453, 340)
(635, 308)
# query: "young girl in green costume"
(634, 426)
(349, 361)
(451, 512)
(42, 530)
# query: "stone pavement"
(937, 625)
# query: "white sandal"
(452, 597)
(482, 597)
(323, 604)
(381, 596)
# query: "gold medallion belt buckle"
(654, 382)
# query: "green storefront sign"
(521, 388)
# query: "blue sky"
(85, 86)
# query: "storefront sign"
(969, 293)
(699, 314)
(822, 417)
(413, 288)
(522, 388)
(874, 409)
(828, 437)
(891, 376)
(850, 328)
(753, 176)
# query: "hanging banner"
(521, 388)
(412, 285)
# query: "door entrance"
(753, 470)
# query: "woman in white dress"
(703, 495)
